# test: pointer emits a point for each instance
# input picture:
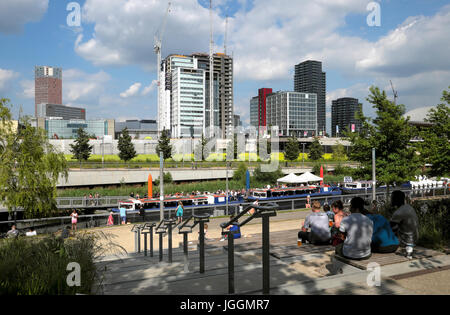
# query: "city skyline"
(114, 76)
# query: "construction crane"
(395, 93)
(158, 46)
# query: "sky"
(109, 66)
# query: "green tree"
(164, 145)
(292, 149)
(435, 149)
(390, 134)
(339, 153)
(267, 178)
(81, 149)
(126, 146)
(201, 151)
(30, 167)
(315, 150)
(240, 174)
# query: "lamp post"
(374, 181)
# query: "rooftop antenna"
(395, 93)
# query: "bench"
(389, 259)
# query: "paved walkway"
(294, 271)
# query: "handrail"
(236, 218)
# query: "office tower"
(343, 116)
(47, 86)
(293, 113)
(64, 112)
(309, 78)
(237, 121)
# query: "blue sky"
(112, 53)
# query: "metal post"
(230, 263)
(151, 241)
(145, 243)
(202, 246)
(227, 190)
(303, 156)
(186, 252)
(170, 242)
(161, 185)
(160, 247)
(266, 257)
(374, 180)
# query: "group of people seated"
(360, 233)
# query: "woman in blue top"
(383, 238)
(180, 212)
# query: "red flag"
(150, 186)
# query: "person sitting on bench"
(404, 222)
(358, 230)
(318, 223)
(383, 238)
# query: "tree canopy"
(292, 149)
(81, 149)
(315, 150)
(435, 149)
(164, 145)
(390, 134)
(30, 167)
(126, 148)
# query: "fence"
(95, 220)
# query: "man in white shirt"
(318, 222)
(358, 230)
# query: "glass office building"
(293, 113)
(67, 129)
(188, 103)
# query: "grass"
(38, 265)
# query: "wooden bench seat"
(389, 259)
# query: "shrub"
(37, 266)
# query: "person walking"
(180, 210)
(74, 216)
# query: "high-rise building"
(222, 85)
(65, 112)
(309, 78)
(47, 86)
(343, 116)
(237, 121)
(188, 103)
(294, 113)
(223, 91)
(254, 111)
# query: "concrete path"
(294, 270)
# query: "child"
(110, 219)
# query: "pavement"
(293, 270)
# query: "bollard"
(160, 247)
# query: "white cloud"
(27, 89)
(80, 87)
(132, 90)
(150, 88)
(6, 76)
(16, 13)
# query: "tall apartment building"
(258, 110)
(188, 103)
(343, 111)
(222, 85)
(309, 78)
(47, 86)
(293, 113)
(223, 91)
(65, 112)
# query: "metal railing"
(264, 212)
